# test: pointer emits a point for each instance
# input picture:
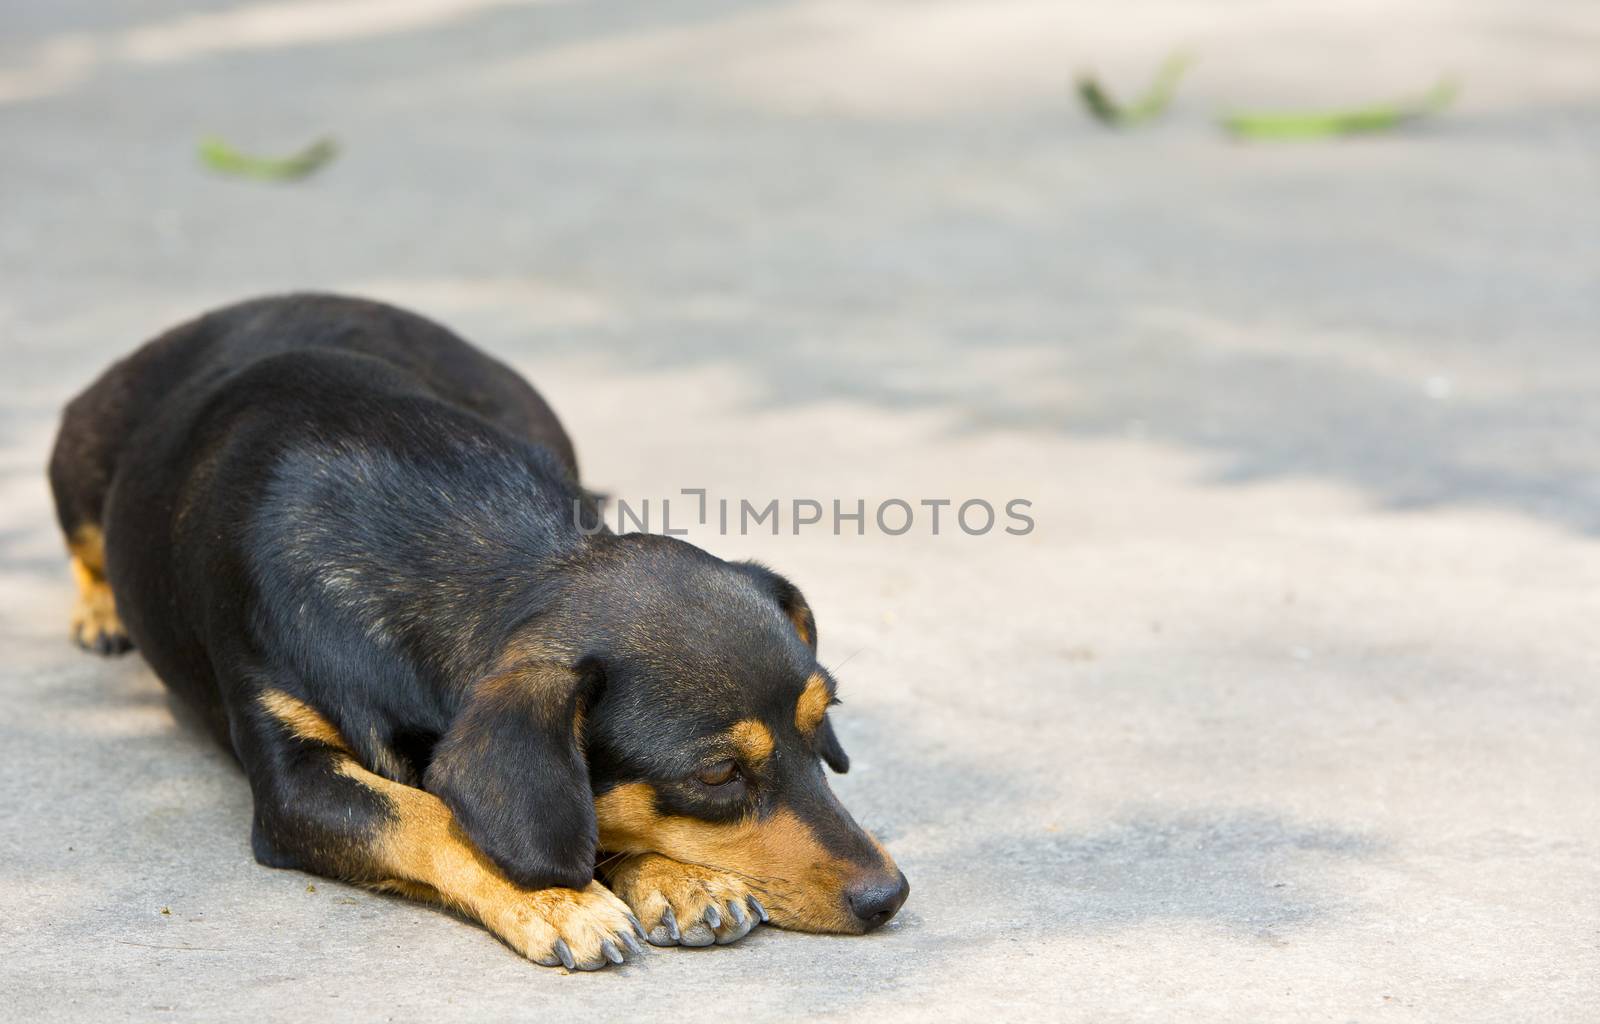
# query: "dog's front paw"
(564, 927)
(685, 904)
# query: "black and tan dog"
(359, 547)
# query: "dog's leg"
(319, 810)
(95, 625)
(685, 903)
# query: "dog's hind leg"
(94, 429)
(95, 625)
(79, 477)
(318, 809)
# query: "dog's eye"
(719, 774)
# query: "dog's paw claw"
(632, 941)
(581, 931)
(698, 935)
(672, 922)
(666, 933)
(718, 908)
(736, 924)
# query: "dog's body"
(360, 548)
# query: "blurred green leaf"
(1287, 125)
(224, 159)
(1152, 104)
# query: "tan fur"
(410, 890)
(423, 853)
(753, 739)
(812, 705)
(301, 719)
(88, 546)
(777, 857)
(799, 621)
(96, 610)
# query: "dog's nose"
(875, 901)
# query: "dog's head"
(667, 701)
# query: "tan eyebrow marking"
(812, 705)
(753, 739)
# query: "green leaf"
(1381, 117)
(1152, 104)
(224, 159)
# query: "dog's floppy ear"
(789, 599)
(833, 754)
(511, 769)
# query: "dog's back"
(203, 352)
(232, 412)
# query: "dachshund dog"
(359, 548)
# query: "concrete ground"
(1287, 709)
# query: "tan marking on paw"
(95, 625)
(424, 846)
(422, 853)
(652, 885)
